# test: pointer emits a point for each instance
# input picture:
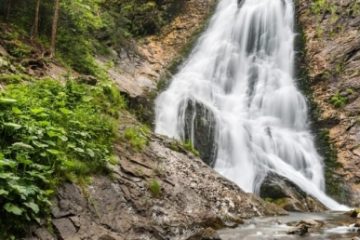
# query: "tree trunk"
(35, 29)
(8, 9)
(54, 27)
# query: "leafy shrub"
(50, 133)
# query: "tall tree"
(54, 27)
(8, 9)
(35, 29)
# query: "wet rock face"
(331, 34)
(200, 130)
(287, 195)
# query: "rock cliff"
(331, 31)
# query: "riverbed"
(330, 225)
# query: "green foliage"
(155, 188)
(139, 17)
(319, 6)
(87, 27)
(14, 78)
(338, 100)
(49, 133)
(18, 49)
(137, 137)
(189, 146)
(80, 18)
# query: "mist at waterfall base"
(241, 69)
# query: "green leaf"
(23, 191)
(65, 111)
(52, 133)
(63, 138)
(90, 152)
(12, 125)
(8, 163)
(39, 144)
(21, 145)
(53, 151)
(16, 110)
(80, 150)
(37, 110)
(34, 207)
(9, 176)
(12, 208)
(4, 192)
(7, 101)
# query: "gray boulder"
(287, 195)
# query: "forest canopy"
(81, 28)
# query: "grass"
(155, 188)
(137, 137)
(189, 146)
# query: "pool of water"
(335, 225)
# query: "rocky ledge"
(156, 193)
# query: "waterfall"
(242, 71)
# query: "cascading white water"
(242, 70)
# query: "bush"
(50, 133)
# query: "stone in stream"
(287, 195)
(305, 226)
(200, 130)
(355, 213)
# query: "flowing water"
(330, 225)
(242, 70)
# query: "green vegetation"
(155, 188)
(186, 146)
(14, 78)
(319, 6)
(97, 24)
(334, 184)
(137, 137)
(338, 100)
(189, 146)
(49, 133)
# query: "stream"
(330, 225)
